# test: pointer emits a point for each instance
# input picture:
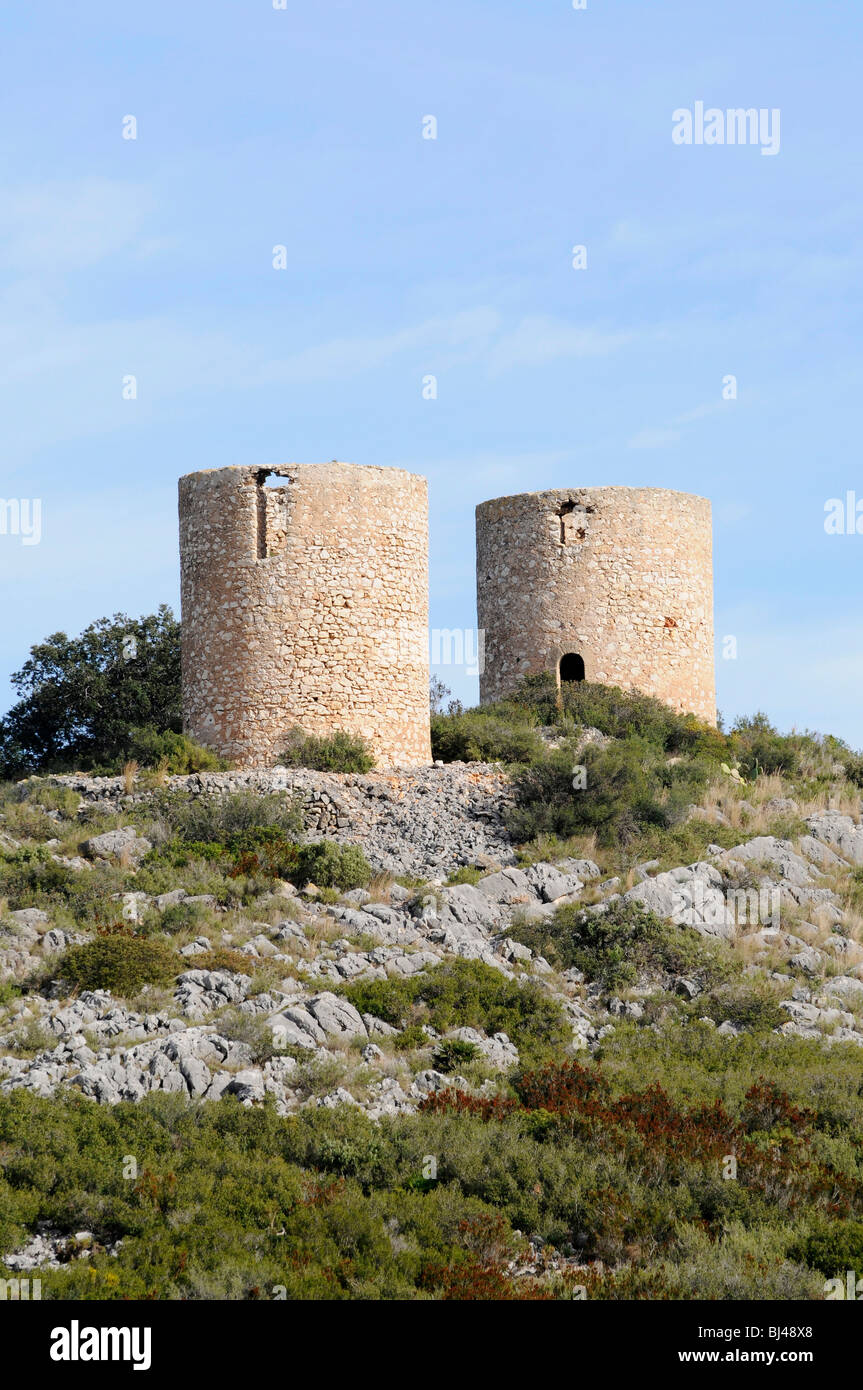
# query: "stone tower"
(305, 603)
(609, 584)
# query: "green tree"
(83, 698)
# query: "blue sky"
(302, 127)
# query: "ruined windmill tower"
(305, 603)
(609, 584)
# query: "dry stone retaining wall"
(421, 821)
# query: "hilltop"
(555, 992)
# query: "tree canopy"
(82, 699)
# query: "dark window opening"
(272, 500)
(569, 513)
(261, 512)
(571, 667)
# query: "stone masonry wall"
(305, 605)
(622, 577)
(419, 820)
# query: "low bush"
(222, 819)
(618, 713)
(500, 733)
(339, 751)
(468, 873)
(626, 788)
(758, 748)
(453, 1053)
(468, 994)
(619, 1161)
(411, 1038)
(747, 1004)
(121, 964)
(331, 865)
(221, 958)
(613, 947)
(31, 877)
(34, 809)
(171, 752)
(181, 917)
(834, 1247)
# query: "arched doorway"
(571, 667)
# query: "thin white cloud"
(79, 369)
(653, 439)
(538, 340)
(63, 226)
(660, 437)
(339, 357)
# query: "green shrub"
(411, 1038)
(171, 752)
(453, 1053)
(182, 917)
(852, 763)
(468, 873)
(618, 713)
(37, 791)
(834, 1248)
(31, 878)
(224, 819)
(9, 989)
(757, 747)
(468, 994)
(628, 788)
(121, 964)
(753, 1005)
(496, 733)
(251, 1029)
(26, 820)
(614, 946)
(621, 1161)
(331, 865)
(252, 849)
(339, 751)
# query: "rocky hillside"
(295, 941)
(295, 949)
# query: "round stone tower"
(305, 603)
(608, 584)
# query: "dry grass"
(380, 887)
(130, 772)
(745, 808)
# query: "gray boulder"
(336, 1016)
(550, 883)
(122, 844)
(832, 828)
